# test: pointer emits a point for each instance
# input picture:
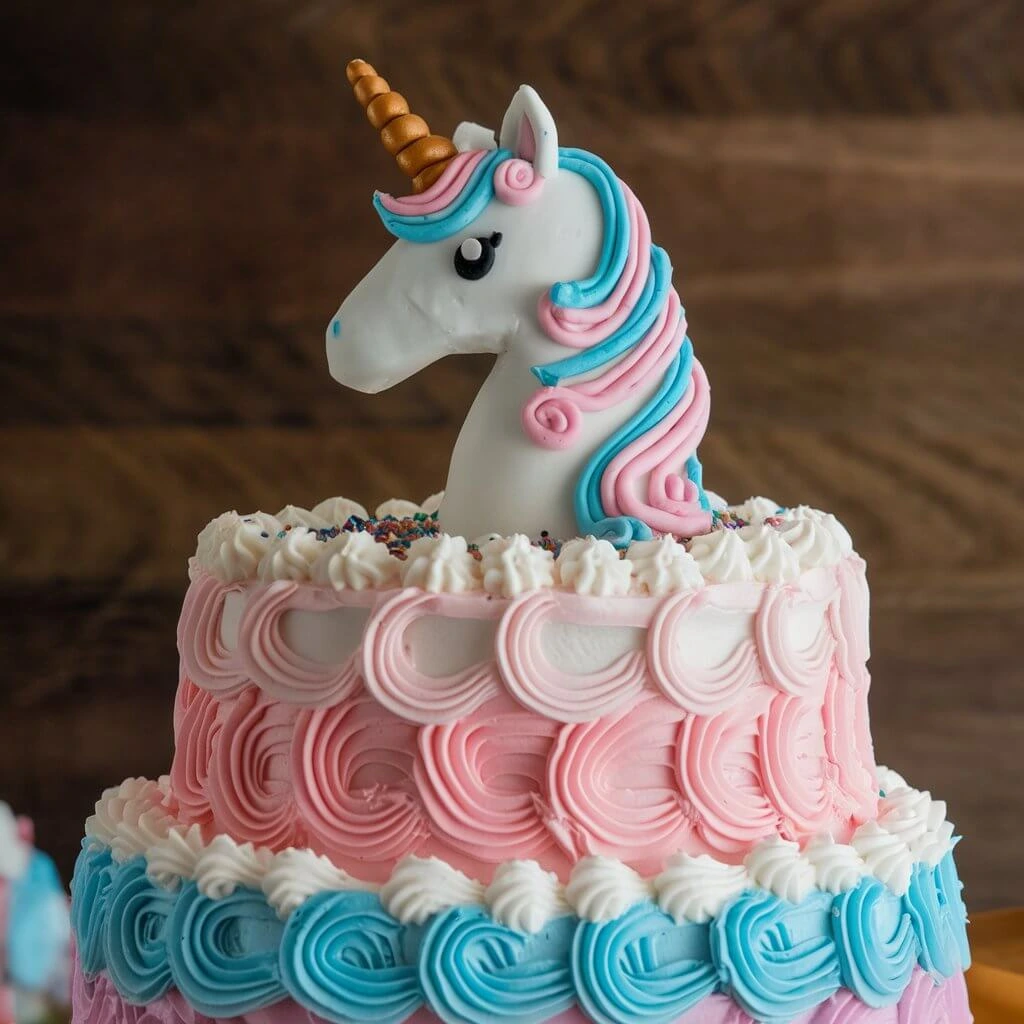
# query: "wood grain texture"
(184, 202)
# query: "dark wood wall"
(184, 200)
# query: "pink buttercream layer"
(924, 1002)
(661, 751)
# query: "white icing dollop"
(224, 865)
(338, 511)
(756, 509)
(886, 856)
(602, 888)
(442, 565)
(772, 560)
(131, 817)
(175, 857)
(421, 887)
(826, 520)
(663, 566)
(888, 780)
(722, 557)
(397, 508)
(837, 866)
(232, 546)
(14, 851)
(811, 542)
(905, 812)
(291, 557)
(592, 566)
(777, 865)
(295, 516)
(696, 888)
(512, 566)
(295, 875)
(523, 896)
(355, 561)
(432, 503)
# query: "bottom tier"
(923, 1002)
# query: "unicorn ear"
(528, 130)
(469, 136)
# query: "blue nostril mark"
(336, 327)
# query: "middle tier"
(372, 725)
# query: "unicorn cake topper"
(589, 421)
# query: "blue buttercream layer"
(342, 956)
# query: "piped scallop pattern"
(346, 953)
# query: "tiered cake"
(573, 741)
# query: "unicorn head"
(590, 419)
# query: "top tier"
(376, 690)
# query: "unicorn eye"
(475, 256)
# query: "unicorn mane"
(628, 329)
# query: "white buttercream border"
(133, 819)
(775, 546)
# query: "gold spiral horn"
(419, 155)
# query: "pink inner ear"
(526, 145)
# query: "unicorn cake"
(574, 740)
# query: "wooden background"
(184, 201)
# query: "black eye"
(475, 256)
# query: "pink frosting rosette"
(197, 726)
(249, 783)
(721, 773)
(482, 780)
(352, 766)
(516, 182)
(613, 788)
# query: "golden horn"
(420, 155)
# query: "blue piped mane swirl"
(629, 329)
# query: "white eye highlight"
(471, 249)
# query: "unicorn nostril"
(336, 327)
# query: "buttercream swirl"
(472, 968)
(525, 897)
(352, 773)
(512, 566)
(663, 566)
(777, 959)
(296, 516)
(612, 786)
(355, 561)
(778, 866)
(812, 541)
(641, 967)
(231, 546)
(292, 555)
(176, 857)
(197, 724)
(603, 888)
(338, 511)
(876, 943)
(131, 817)
(756, 509)
(463, 778)
(772, 560)
(591, 566)
(225, 865)
(421, 887)
(888, 780)
(697, 888)
(137, 918)
(223, 953)
(343, 958)
(249, 786)
(936, 921)
(722, 556)
(293, 876)
(885, 855)
(441, 565)
(90, 901)
(826, 520)
(837, 866)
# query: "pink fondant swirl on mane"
(442, 193)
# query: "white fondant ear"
(473, 136)
(528, 130)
